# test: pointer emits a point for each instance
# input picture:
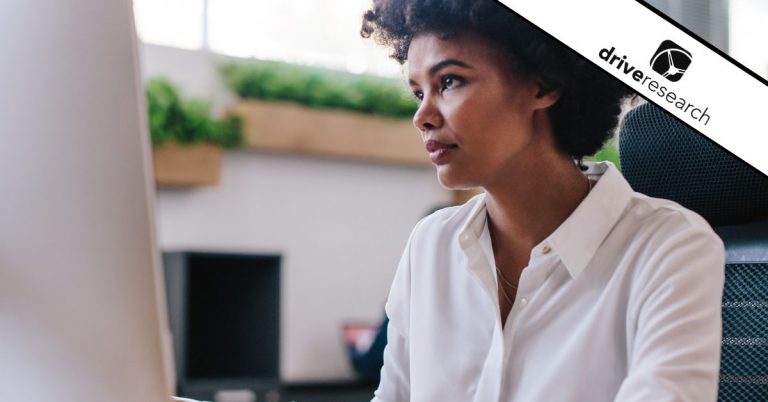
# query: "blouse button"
(523, 302)
(546, 250)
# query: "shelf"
(287, 127)
(186, 165)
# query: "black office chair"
(663, 158)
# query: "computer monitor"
(82, 309)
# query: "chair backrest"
(744, 364)
(663, 158)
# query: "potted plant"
(186, 141)
(292, 108)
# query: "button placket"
(533, 277)
(478, 267)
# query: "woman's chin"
(449, 179)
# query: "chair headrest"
(663, 158)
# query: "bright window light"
(325, 33)
(177, 23)
(749, 34)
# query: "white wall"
(340, 227)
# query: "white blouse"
(620, 303)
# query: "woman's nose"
(427, 116)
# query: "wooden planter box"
(287, 127)
(187, 165)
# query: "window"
(706, 18)
(736, 27)
(325, 33)
(177, 23)
(749, 34)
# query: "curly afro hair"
(587, 111)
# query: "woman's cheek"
(462, 112)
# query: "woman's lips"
(440, 151)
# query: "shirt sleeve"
(675, 322)
(395, 383)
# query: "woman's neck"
(526, 207)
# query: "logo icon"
(671, 61)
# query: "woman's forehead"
(427, 50)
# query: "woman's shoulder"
(651, 214)
(663, 233)
(670, 247)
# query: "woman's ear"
(546, 96)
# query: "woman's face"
(479, 120)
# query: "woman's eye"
(418, 95)
(449, 81)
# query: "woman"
(549, 286)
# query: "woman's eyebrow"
(443, 64)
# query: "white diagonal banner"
(665, 65)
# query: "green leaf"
(318, 87)
(186, 122)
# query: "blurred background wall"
(340, 226)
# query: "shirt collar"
(578, 238)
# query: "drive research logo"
(672, 70)
(671, 61)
